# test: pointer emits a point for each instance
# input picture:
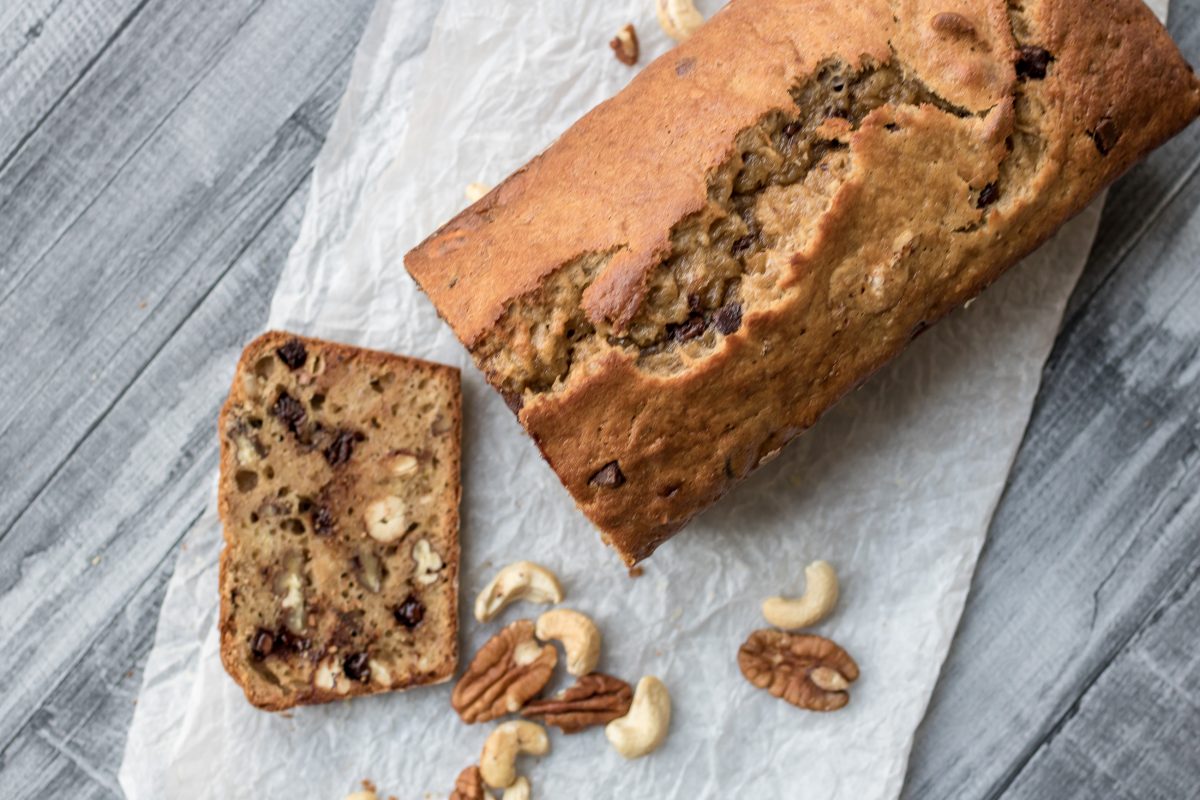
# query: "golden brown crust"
(912, 211)
(307, 468)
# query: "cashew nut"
(386, 519)
(498, 764)
(523, 580)
(365, 794)
(579, 635)
(679, 18)
(643, 729)
(820, 596)
(518, 791)
(476, 191)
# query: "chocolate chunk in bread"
(701, 266)
(339, 496)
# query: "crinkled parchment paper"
(896, 485)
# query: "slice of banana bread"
(339, 496)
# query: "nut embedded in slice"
(509, 670)
(595, 699)
(331, 476)
(807, 671)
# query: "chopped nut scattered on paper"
(625, 45)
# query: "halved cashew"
(476, 191)
(519, 790)
(819, 598)
(679, 18)
(523, 580)
(498, 764)
(643, 729)
(579, 635)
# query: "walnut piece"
(468, 785)
(595, 699)
(807, 671)
(506, 672)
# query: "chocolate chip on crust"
(608, 477)
(1105, 135)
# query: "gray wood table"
(155, 157)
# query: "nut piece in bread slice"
(338, 495)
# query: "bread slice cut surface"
(339, 491)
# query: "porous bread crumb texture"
(339, 494)
(720, 264)
(854, 199)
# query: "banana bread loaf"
(339, 495)
(702, 265)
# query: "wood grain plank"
(195, 192)
(1097, 525)
(89, 713)
(46, 47)
(1134, 732)
(138, 481)
(83, 711)
(136, 84)
(29, 766)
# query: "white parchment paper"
(896, 485)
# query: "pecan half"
(506, 672)
(468, 785)
(595, 699)
(805, 670)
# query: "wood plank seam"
(1175, 594)
(267, 219)
(87, 68)
(1175, 590)
(87, 769)
(1159, 502)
